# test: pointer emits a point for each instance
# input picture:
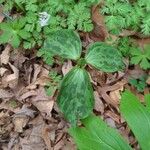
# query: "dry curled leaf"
(21, 118)
(100, 32)
(148, 80)
(36, 141)
(3, 71)
(112, 99)
(6, 94)
(45, 107)
(4, 57)
(37, 70)
(11, 80)
(67, 66)
(99, 106)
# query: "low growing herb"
(75, 98)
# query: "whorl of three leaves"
(76, 98)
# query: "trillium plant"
(75, 98)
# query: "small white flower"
(43, 18)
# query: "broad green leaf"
(104, 57)
(64, 43)
(75, 98)
(147, 101)
(96, 135)
(137, 117)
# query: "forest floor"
(31, 120)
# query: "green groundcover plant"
(96, 135)
(41, 17)
(136, 54)
(127, 14)
(140, 84)
(75, 98)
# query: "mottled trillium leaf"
(104, 57)
(64, 43)
(75, 98)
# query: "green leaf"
(141, 57)
(137, 117)
(24, 34)
(145, 64)
(76, 98)
(15, 41)
(5, 37)
(96, 135)
(104, 57)
(147, 101)
(64, 43)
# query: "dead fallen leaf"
(110, 122)
(6, 94)
(12, 79)
(37, 70)
(148, 80)
(67, 66)
(1, 15)
(41, 81)
(26, 95)
(41, 95)
(116, 94)
(21, 118)
(36, 140)
(99, 106)
(100, 32)
(18, 58)
(113, 116)
(104, 92)
(13, 141)
(45, 107)
(4, 57)
(2, 71)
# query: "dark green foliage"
(64, 43)
(53, 85)
(75, 98)
(125, 46)
(140, 84)
(14, 32)
(104, 57)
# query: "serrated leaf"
(5, 37)
(96, 135)
(137, 117)
(15, 41)
(24, 34)
(136, 59)
(75, 98)
(64, 43)
(104, 57)
(145, 63)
